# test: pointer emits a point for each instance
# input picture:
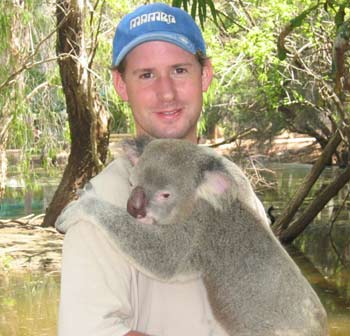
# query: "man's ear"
(119, 85)
(207, 75)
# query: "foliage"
(279, 65)
(316, 70)
(247, 70)
(29, 82)
(122, 121)
(257, 48)
(5, 264)
(198, 8)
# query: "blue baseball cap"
(156, 22)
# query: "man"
(160, 67)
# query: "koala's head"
(168, 177)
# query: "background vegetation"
(280, 65)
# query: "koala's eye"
(163, 195)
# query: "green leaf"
(201, 16)
(298, 21)
(185, 3)
(212, 10)
(203, 4)
(176, 3)
(281, 52)
(339, 16)
(194, 9)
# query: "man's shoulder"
(112, 182)
(119, 166)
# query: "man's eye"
(180, 71)
(146, 75)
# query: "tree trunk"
(88, 120)
(298, 226)
(286, 217)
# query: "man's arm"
(96, 286)
(96, 282)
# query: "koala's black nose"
(137, 203)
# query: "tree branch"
(297, 227)
(283, 221)
(28, 62)
(234, 137)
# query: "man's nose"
(166, 88)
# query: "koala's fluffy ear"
(214, 184)
(134, 147)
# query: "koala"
(184, 219)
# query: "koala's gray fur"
(253, 286)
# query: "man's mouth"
(169, 113)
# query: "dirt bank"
(285, 148)
(25, 245)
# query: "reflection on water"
(327, 262)
(337, 306)
(28, 303)
(22, 199)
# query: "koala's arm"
(97, 283)
(161, 251)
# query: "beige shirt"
(103, 295)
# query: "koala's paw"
(65, 219)
(75, 211)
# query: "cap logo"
(152, 17)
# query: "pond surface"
(23, 198)
(325, 263)
(29, 302)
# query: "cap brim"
(177, 39)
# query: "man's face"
(163, 85)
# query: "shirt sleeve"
(95, 286)
(98, 291)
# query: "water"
(326, 263)
(29, 302)
(331, 254)
(22, 199)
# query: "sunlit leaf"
(281, 52)
(203, 5)
(176, 3)
(339, 16)
(298, 21)
(201, 15)
(194, 9)
(212, 10)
